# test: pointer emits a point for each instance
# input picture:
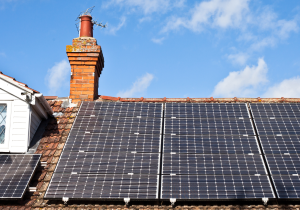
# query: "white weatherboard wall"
(19, 121)
(25, 111)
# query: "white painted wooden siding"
(21, 130)
(19, 127)
(35, 122)
(5, 96)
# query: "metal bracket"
(31, 189)
(126, 200)
(173, 201)
(65, 200)
(43, 164)
(265, 201)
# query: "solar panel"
(278, 127)
(284, 164)
(122, 109)
(109, 124)
(108, 163)
(211, 144)
(208, 126)
(283, 110)
(280, 144)
(15, 174)
(287, 186)
(210, 151)
(95, 142)
(113, 151)
(95, 186)
(215, 187)
(207, 164)
(188, 110)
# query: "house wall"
(24, 121)
(19, 126)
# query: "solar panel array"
(210, 151)
(278, 128)
(113, 151)
(15, 174)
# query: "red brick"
(75, 92)
(88, 92)
(88, 70)
(81, 89)
(76, 77)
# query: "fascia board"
(12, 89)
(40, 109)
(17, 84)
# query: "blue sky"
(159, 48)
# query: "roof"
(55, 136)
(17, 82)
(200, 100)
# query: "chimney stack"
(87, 61)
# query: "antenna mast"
(87, 12)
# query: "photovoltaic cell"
(113, 151)
(211, 144)
(215, 187)
(15, 174)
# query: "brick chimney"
(87, 61)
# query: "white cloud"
(243, 83)
(215, 13)
(2, 54)
(58, 76)
(238, 58)
(288, 88)
(158, 41)
(285, 27)
(145, 19)
(146, 6)
(268, 20)
(114, 29)
(139, 86)
(265, 42)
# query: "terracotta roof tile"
(200, 100)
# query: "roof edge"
(202, 100)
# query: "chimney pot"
(86, 26)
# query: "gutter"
(44, 103)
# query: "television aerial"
(88, 12)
